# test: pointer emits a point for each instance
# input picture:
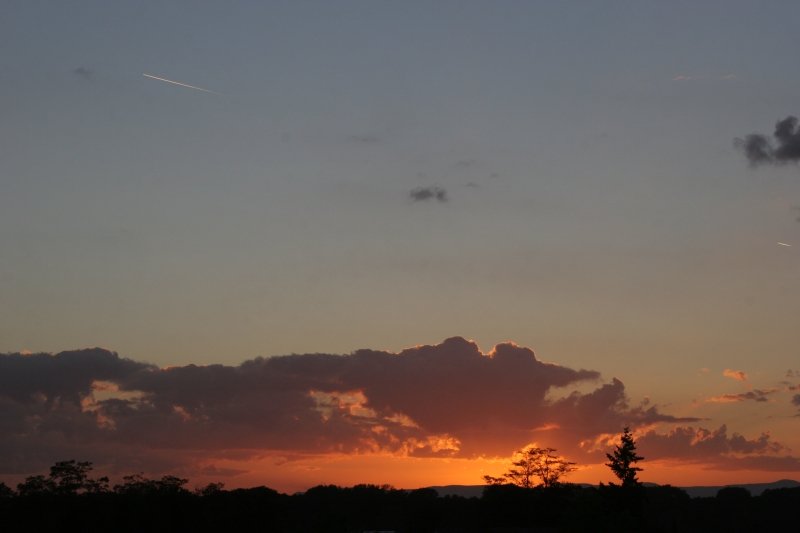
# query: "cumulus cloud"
(448, 399)
(444, 400)
(782, 148)
(422, 194)
(738, 375)
(756, 395)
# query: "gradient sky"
(591, 203)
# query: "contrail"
(783, 244)
(178, 83)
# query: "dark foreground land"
(372, 508)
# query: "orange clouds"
(448, 401)
(738, 375)
(755, 395)
(716, 450)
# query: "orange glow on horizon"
(299, 474)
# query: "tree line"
(531, 497)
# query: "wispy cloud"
(755, 395)
(690, 77)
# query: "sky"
(195, 197)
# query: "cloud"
(687, 77)
(782, 148)
(422, 194)
(443, 400)
(448, 399)
(84, 72)
(738, 375)
(715, 449)
(796, 400)
(690, 77)
(755, 395)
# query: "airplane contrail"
(178, 83)
(784, 244)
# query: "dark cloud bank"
(444, 400)
(782, 148)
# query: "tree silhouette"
(138, 484)
(35, 486)
(5, 491)
(72, 477)
(534, 463)
(66, 477)
(624, 457)
(209, 490)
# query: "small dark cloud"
(423, 194)
(796, 400)
(84, 72)
(782, 148)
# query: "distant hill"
(755, 488)
(475, 491)
(465, 491)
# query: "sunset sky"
(300, 242)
